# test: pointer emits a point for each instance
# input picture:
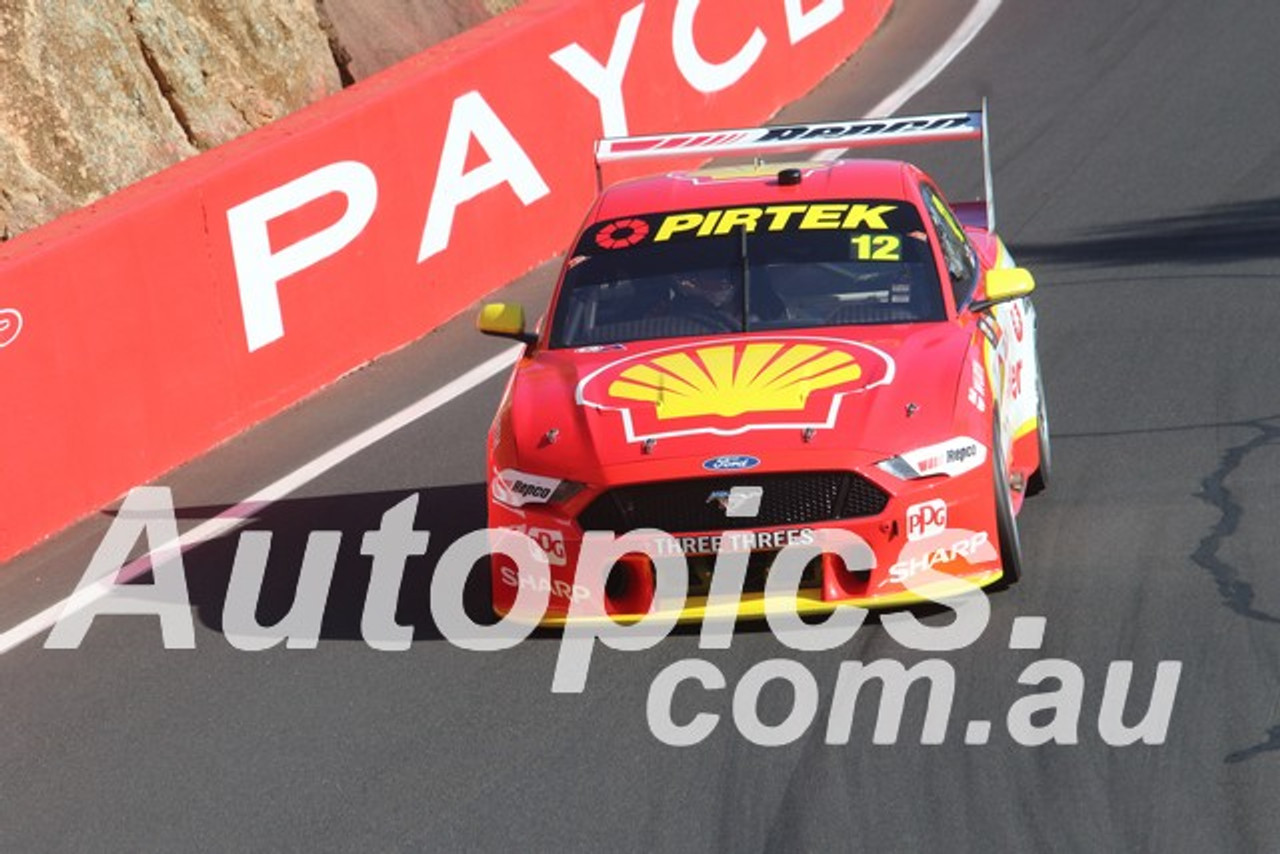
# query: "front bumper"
(959, 542)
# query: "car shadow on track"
(1240, 231)
(447, 512)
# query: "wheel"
(1039, 479)
(1006, 523)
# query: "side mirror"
(505, 320)
(1005, 284)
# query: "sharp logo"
(970, 547)
(554, 587)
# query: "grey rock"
(374, 34)
(97, 95)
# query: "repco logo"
(959, 455)
(530, 490)
(516, 489)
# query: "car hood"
(779, 401)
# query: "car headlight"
(949, 458)
(515, 488)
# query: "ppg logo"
(927, 519)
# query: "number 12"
(880, 247)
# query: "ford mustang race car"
(745, 357)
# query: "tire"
(1039, 479)
(1006, 523)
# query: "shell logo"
(735, 385)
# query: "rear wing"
(824, 136)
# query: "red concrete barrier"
(144, 329)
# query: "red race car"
(745, 357)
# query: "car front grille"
(683, 506)
(702, 570)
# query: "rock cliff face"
(96, 94)
(378, 33)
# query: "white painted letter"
(390, 547)
(604, 82)
(662, 696)
(303, 623)
(707, 76)
(449, 583)
(508, 164)
(895, 680)
(746, 702)
(1063, 704)
(259, 271)
(1154, 725)
(104, 589)
(802, 24)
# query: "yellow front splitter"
(756, 606)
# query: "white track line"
(973, 23)
(969, 28)
(236, 516)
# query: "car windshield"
(829, 263)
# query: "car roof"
(755, 184)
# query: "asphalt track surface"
(1138, 175)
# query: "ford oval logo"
(731, 462)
